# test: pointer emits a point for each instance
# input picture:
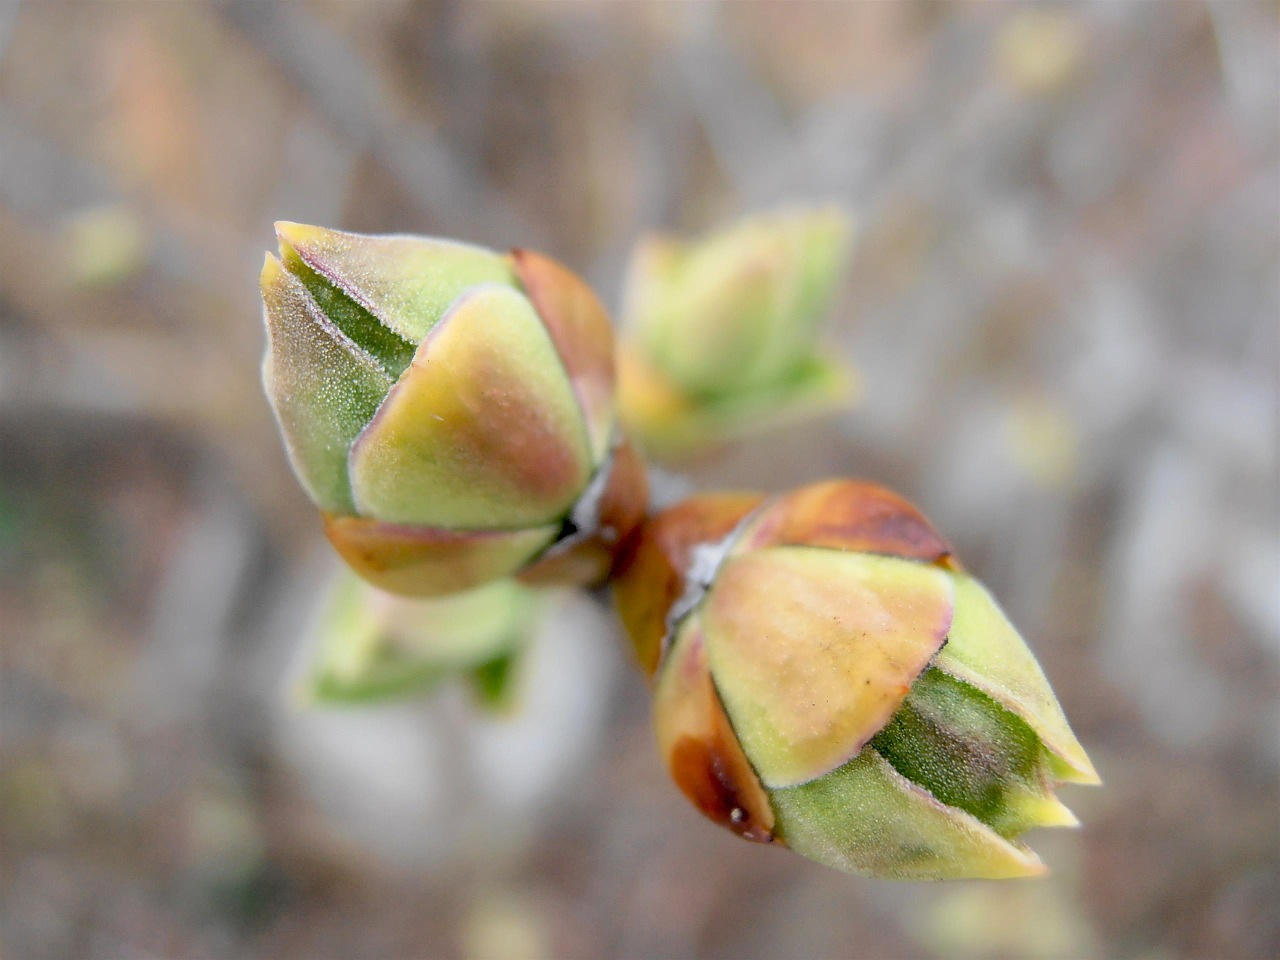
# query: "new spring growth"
(372, 646)
(828, 677)
(722, 333)
(448, 408)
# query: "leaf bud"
(721, 333)
(371, 646)
(448, 408)
(828, 677)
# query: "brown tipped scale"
(423, 561)
(579, 327)
(846, 515)
(618, 516)
(700, 748)
(651, 577)
(407, 282)
(322, 386)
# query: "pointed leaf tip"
(865, 818)
(271, 269)
(323, 388)
(300, 234)
(985, 650)
(1047, 811)
(407, 282)
(293, 239)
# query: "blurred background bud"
(105, 244)
(826, 676)
(413, 781)
(373, 646)
(449, 409)
(1039, 48)
(721, 332)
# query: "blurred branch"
(351, 94)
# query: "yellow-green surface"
(984, 649)
(482, 431)
(323, 388)
(867, 818)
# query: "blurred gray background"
(1063, 303)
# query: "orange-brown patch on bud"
(814, 650)
(847, 515)
(621, 511)
(579, 327)
(650, 577)
(700, 747)
(424, 561)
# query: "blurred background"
(1063, 302)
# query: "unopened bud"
(722, 332)
(372, 646)
(448, 408)
(828, 677)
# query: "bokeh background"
(1063, 302)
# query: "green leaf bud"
(449, 409)
(722, 332)
(372, 646)
(827, 677)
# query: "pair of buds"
(826, 676)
